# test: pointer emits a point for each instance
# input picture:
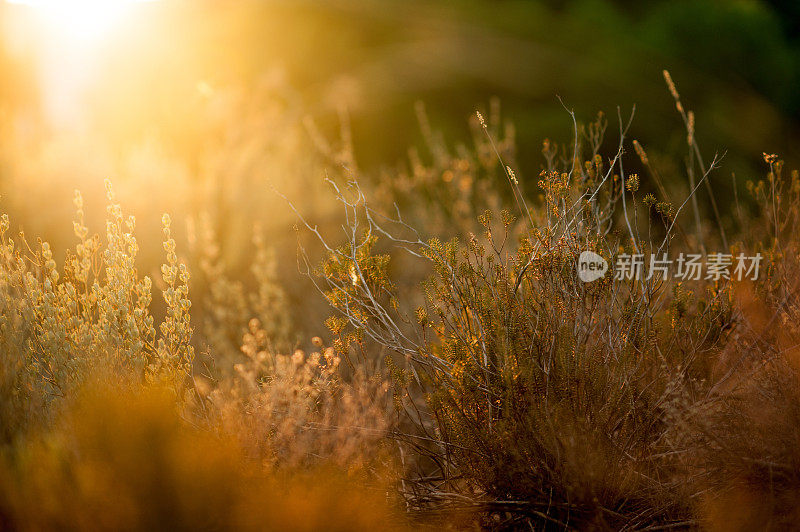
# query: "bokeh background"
(737, 62)
(201, 107)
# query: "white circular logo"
(591, 266)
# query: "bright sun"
(69, 38)
(80, 20)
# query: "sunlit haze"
(69, 36)
(81, 20)
(399, 265)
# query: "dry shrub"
(123, 459)
(524, 398)
(226, 304)
(736, 437)
(93, 315)
(93, 383)
(540, 400)
(743, 452)
(443, 187)
(537, 398)
(296, 411)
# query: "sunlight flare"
(80, 20)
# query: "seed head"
(511, 175)
(480, 118)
